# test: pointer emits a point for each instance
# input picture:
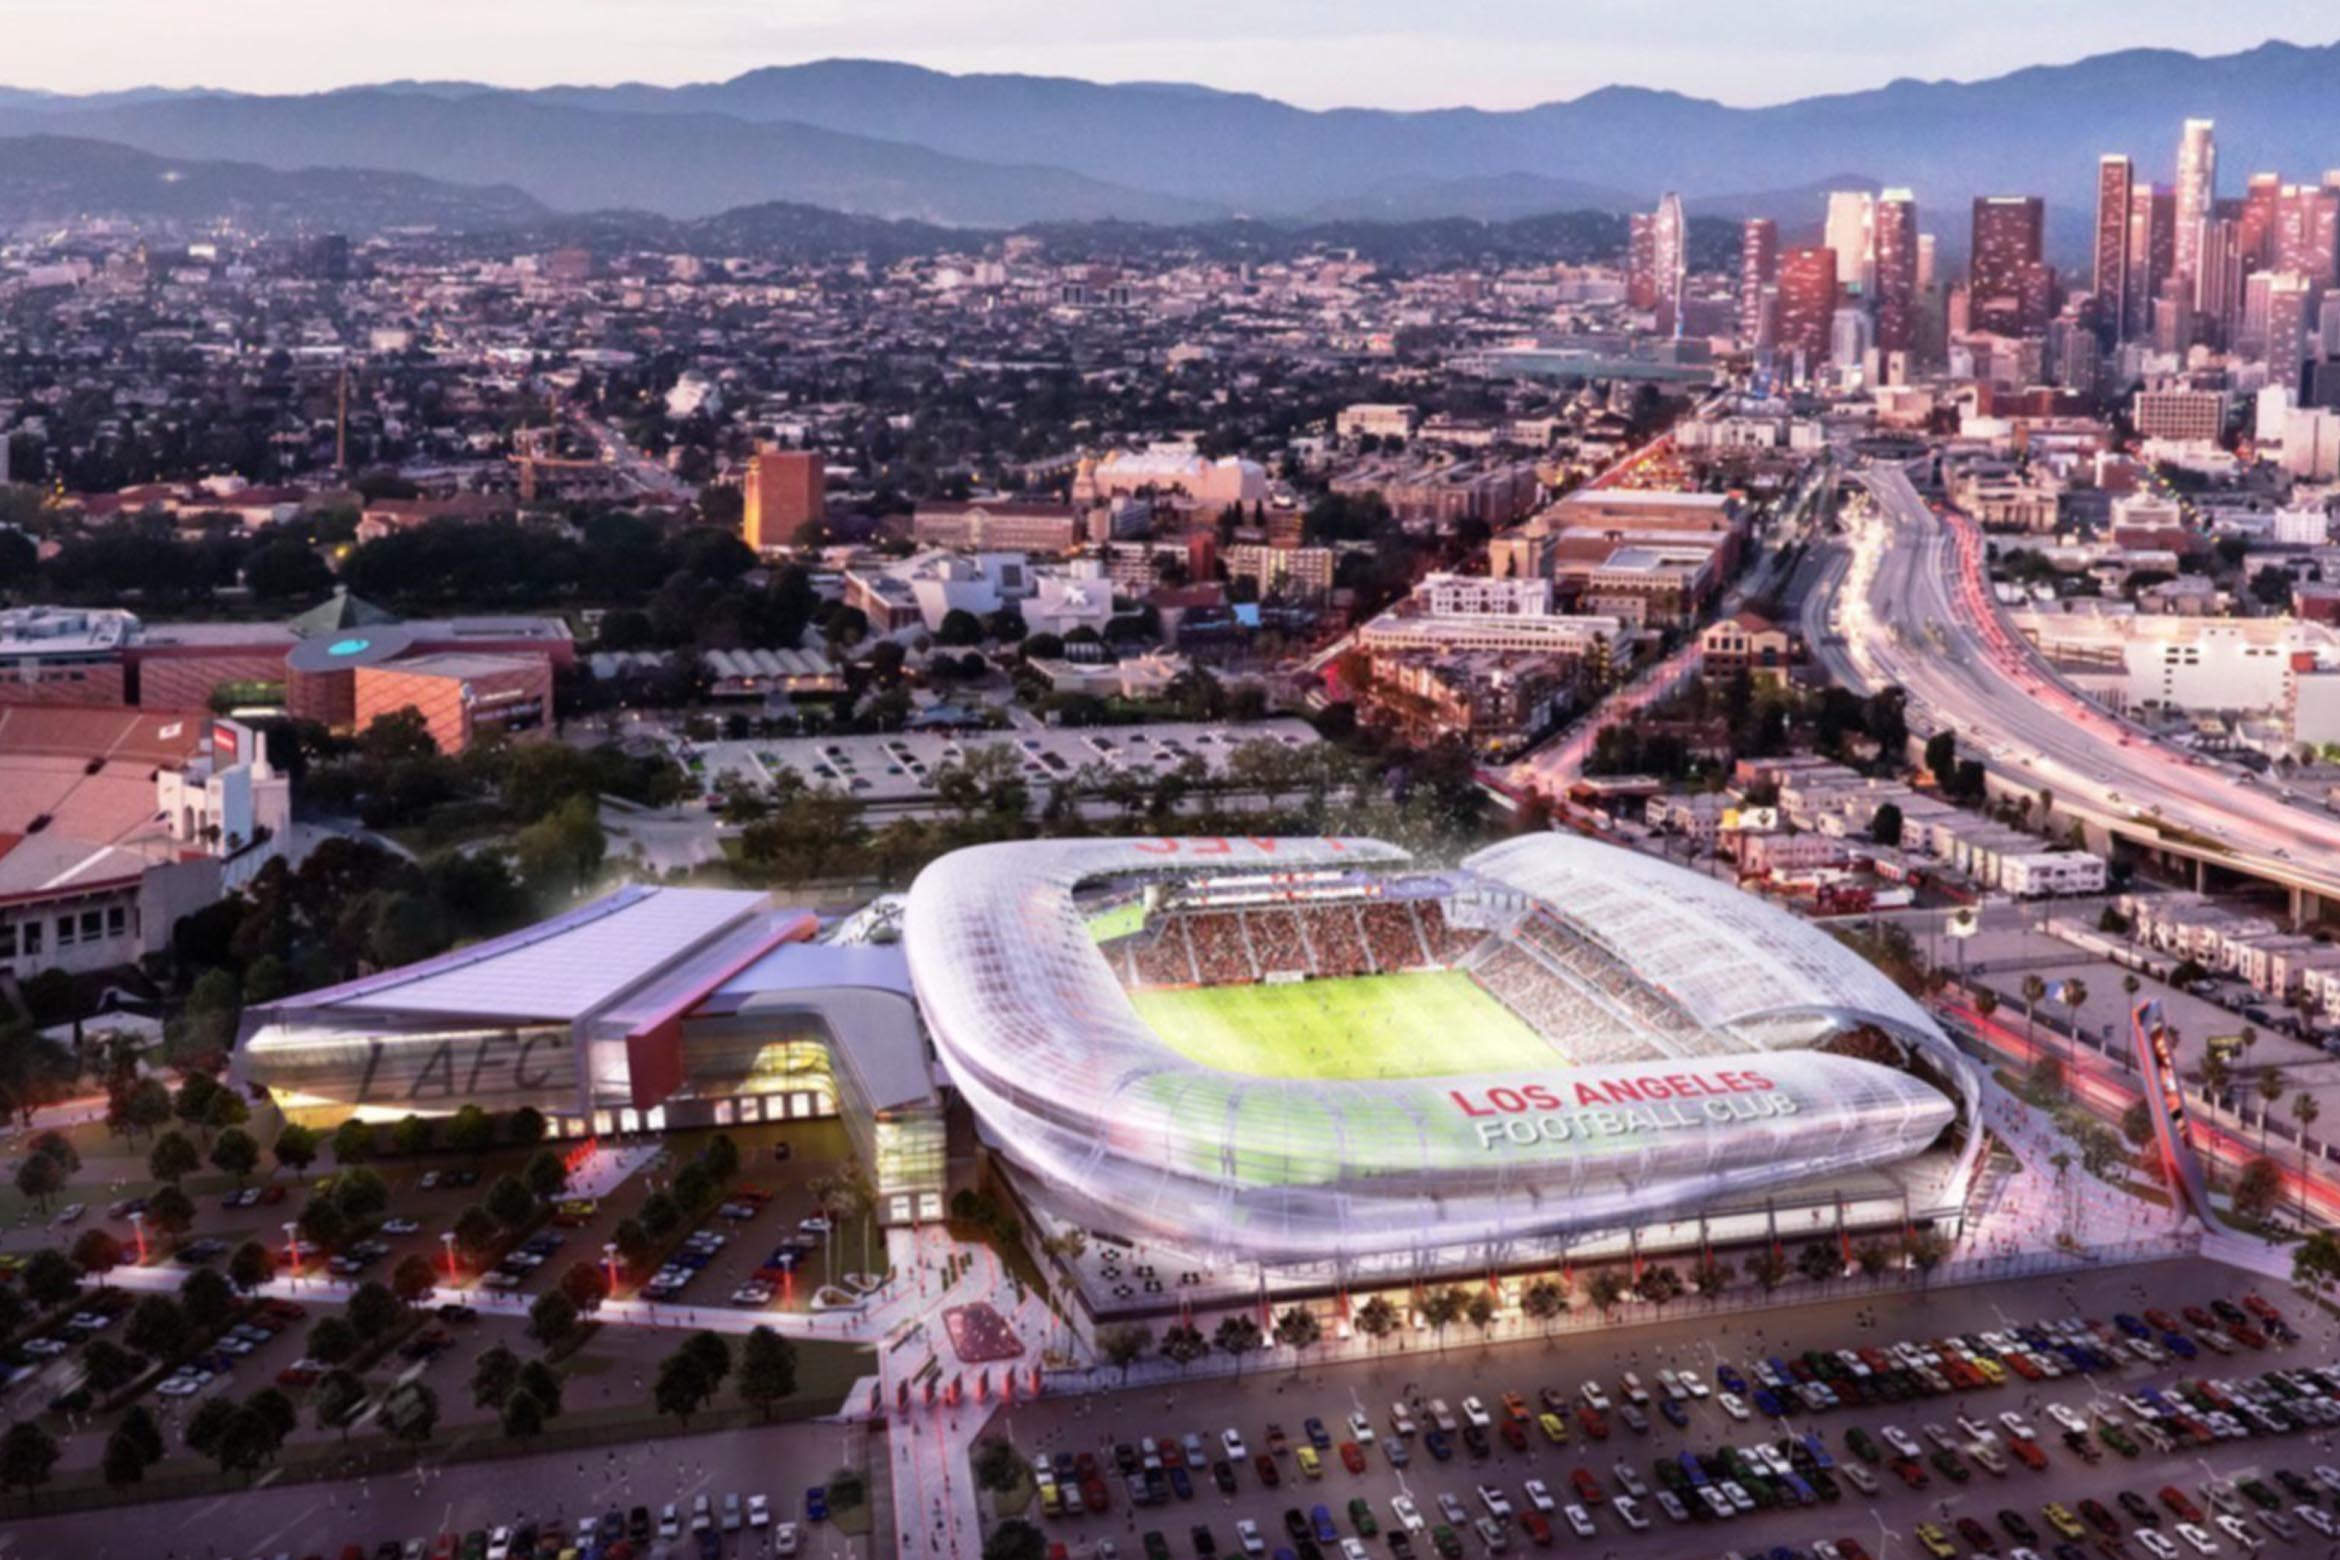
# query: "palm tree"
(2034, 988)
(2271, 1089)
(2304, 1110)
(2075, 995)
(2063, 1163)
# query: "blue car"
(1181, 1485)
(1441, 1447)
(1731, 1380)
(2180, 1345)
(1318, 1437)
(1320, 1519)
(1768, 1404)
(1673, 1412)
(2133, 1326)
(816, 1503)
(1819, 1450)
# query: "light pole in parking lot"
(447, 1239)
(138, 1232)
(609, 1262)
(292, 1239)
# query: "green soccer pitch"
(1415, 1025)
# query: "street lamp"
(292, 1238)
(609, 1260)
(447, 1239)
(138, 1231)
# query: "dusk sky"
(1387, 53)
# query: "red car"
(1978, 1538)
(1515, 1435)
(1851, 1549)
(2262, 1309)
(1596, 1424)
(2027, 1452)
(1352, 1457)
(1588, 1487)
(2175, 1499)
(1912, 1474)
(1265, 1467)
(1539, 1531)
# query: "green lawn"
(1415, 1025)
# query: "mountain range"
(901, 141)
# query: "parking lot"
(900, 768)
(1943, 1429)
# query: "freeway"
(1909, 605)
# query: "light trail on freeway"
(1910, 606)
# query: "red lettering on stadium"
(1639, 1090)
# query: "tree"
(171, 1211)
(50, 1278)
(512, 1205)
(523, 1418)
(173, 1157)
(539, 1382)
(39, 1178)
(321, 1223)
(1123, 1345)
(767, 1369)
(1298, 1329)
(475, 1231)
(236, 1153)
(296, 1148)
(2315, 1264)
(1237, 1336)
(1710, 1278)
(547, 1176)
(2304, 1110)
(552, 1318)
(682, 1388)
(414, 1280)
(250, 1265)
(997, 1464)
(2075, 996)
(353, 1142)
(158, 1327)
(1767, 1267)
(27, 1456)
(209, 1298)
(1480, 1310)
(95, 1251)
(1661, 1285)
(2034, 988)
(1377, 1319)
(1183, 1344)
(1820, 1261)
(2257, 1188)
(1885, 827)
(333, 1341)
(2271, 1089)
(1605, 1289)
(634, 1242)
(712, 1353)
(2137, 1124)
(361, 1194)
(2049, 1084)
(144, 1106)
(471, 1131)
(375, 1311)
(108, 1367)
(1442, 1308)
(1015, 1539)
(413, 1134)
(493, 1376)
(135, 1446)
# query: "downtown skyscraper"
(1896, 271)
(2005, 294)
(2116, 179)
(2197, 194)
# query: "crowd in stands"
(1392, 935)
(1446, 941)
(1219, 947)
(1222, 955)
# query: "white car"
(2064, 1416)
(1696, 1384)
(1401, 1419)
(1408, 1514)
(1580, 1521)
(1858, 1477)
(1594, 1397)
(1360, 1427)
(702, 1513)
(1452, 1509)
(1497, 1503)
(1630, 1509)
(1733, 1405)
(1903, 1442)
(669, 1521)
(1247, 1535)
(731, 1513)
(784, 1539)
(759, 1511)
(1353, 1549)
(2232, 1527)
(2154, 1544)
(500, 1544)
(2202, 1542)
(2318, 1518)
(2018, 1426)
(1231, 1441)
(1539, 1495)
(1476, 1412)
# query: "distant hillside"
(55, 177)
(581, 160)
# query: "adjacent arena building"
(1230, 1063)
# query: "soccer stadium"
(1296, 1061)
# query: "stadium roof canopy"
(1131, 1135)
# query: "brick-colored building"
(784, 489)
(460, 696)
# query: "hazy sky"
(1393, 53)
